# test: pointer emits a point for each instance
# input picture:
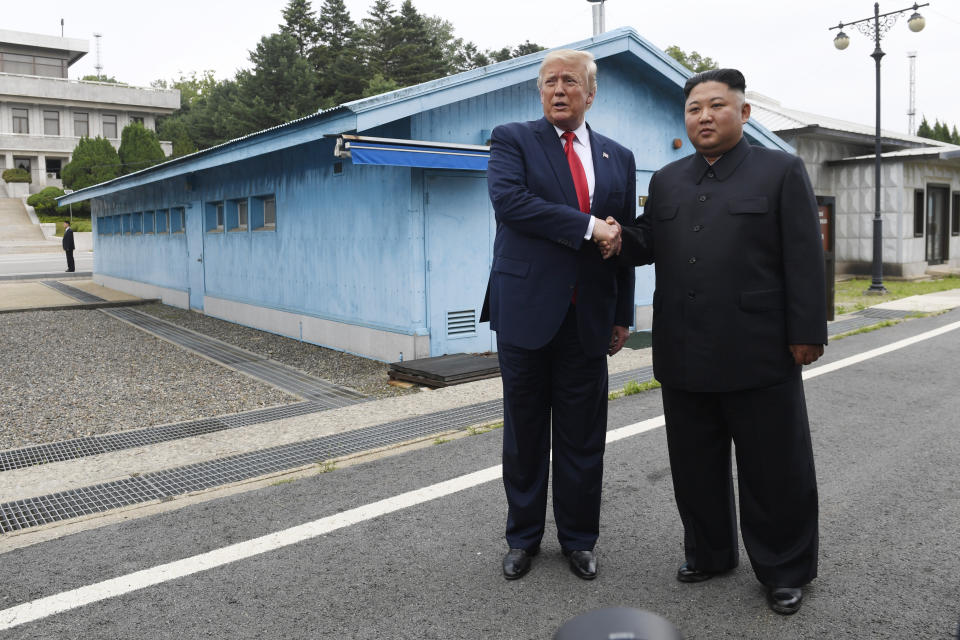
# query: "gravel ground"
(369, 377)
(68, 374)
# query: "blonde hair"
(571, 56)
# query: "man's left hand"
(618, 339)
(806, 353)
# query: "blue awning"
(412, 153)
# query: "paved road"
(16, 264)
(885, 435)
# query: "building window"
(214, 222)
(162, 221)
(237, 217)
(263, 213)
(16, 63)
(137, 119)
(51, 123)
(136, 223)
(148, 223)
(918, 213)
(126, 224)
(955, 215)
(103, 225)
(109, 125)
(21, 120)
(81, 125)
(177, 220)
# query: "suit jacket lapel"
(553, 149)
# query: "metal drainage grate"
(288, 379)
(619, 380)
(884, 313)
(95, 445)
(31, 512)
(73, 292)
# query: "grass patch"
(327, 466)
(276, 483)
(440, 440)
(476, 431)
(633, 387)
(849, 296)
(79, 225)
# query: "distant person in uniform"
(68, 246)
(739, 308)
(558, 307)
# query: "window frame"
(47, 119)
(163, 222)
(85, 121)
(179, 215)
(919, 211)
(215, 217)
(257, 212)
(149, 228)
(23, 120)
(114, 124)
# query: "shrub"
(17, 175)
(45, 202)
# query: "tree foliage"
(317, 60)
(45, 201)
(139, 148)
(94, 161)
(939, 131)
(693, 60)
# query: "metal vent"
(462, 324)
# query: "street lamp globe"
(916, 22)
(842, 41)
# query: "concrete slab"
(31, 295)
(93, 288)
(927, 303)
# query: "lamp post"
(599, 17)
(876, 27)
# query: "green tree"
(139, 148)
(379, 36)
(281, 87)
(337, 56)
(45, 202)
(94, 161)
(96, 78)
(939, 131)
(693, 61)
(924, 130)
(419, 56)
(955, 136)
(300, 22)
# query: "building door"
(194, 229)
(938, 224)
(459, 238)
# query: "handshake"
(606, 234)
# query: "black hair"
(730, 77)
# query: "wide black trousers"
(775, 476)
(561, 382)
(70, 263)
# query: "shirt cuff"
(589, 233)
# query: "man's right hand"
(606, 233)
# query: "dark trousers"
(70, 265)
(559, 379)
(775, 477)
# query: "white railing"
(90, 82)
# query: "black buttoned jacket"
(739, 268)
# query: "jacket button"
(710, 174)
(702, 198)
(691, 295)
(692, 260)
(698, 227)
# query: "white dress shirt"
(581, 146)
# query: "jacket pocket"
(666, 212)
(754, 205)
(769, 300)
(502, 264)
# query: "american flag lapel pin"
(605, 155)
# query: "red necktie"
(579, 175)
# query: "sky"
(784, 49)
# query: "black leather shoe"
(583, 563)
(785, 600)
(517, 562)
(686, 573)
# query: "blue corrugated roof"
(367, 113)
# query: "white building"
(43, 113)
(920, 189)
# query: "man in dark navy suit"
(558, 307)
(68, 246)
(739, 307)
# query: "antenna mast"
(98, 66)
(912, 109)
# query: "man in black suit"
(68, 246)
(558, 308)
(739, 307)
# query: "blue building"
(367, 227)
